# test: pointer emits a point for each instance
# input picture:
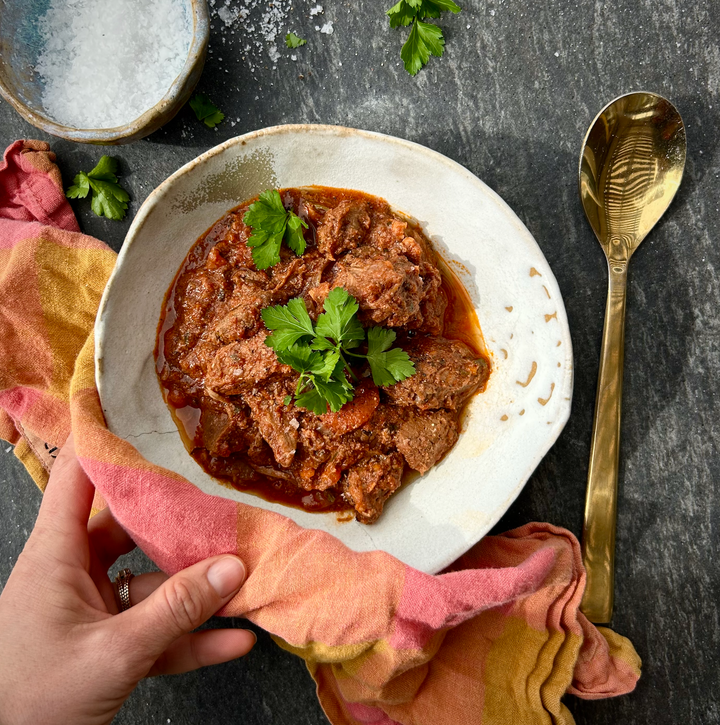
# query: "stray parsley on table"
(271, 225)
(108, 199)
(320, 351)
(294, 41)
(425, 38)
(206, 111)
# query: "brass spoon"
(631, 165)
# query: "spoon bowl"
(631, 165)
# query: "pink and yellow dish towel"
(497, 638)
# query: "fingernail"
(226, 576)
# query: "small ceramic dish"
(20, 86)
(506, 430)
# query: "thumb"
(181, 604)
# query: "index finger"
(68, 496)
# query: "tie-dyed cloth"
(497, 638)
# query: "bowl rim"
(200, 39)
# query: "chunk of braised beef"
(345, 452)
(304, 276)
(447, 373)
(278, 423)
(323, 456)
(293, 274)
(196, 301)
(240, 366)
(426, 436)
(388, 287)
(219, 430)
(315, 299)
(226, 428)
(390, 233)
(380, 432)
(239, 252)
(243, 320)
(343, 228)
(233, 467)
(371, 482)
(238, 314)
(434, 301)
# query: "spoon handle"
(598, 545)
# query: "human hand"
(66, 655)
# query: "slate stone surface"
(511, 100)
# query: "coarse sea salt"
(105, 62)
(263, 25)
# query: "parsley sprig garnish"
(108, 197)
(272, 225)
(320, 351)
(425, 38)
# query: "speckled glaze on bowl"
(21, 87)
(506, 430)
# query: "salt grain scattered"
(327, 29)
(227, 15)
(316, 10)
(106, 62)
(262, 24)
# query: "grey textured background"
(510, 100)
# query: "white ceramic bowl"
(506, 430)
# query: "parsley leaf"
(322, 343)
(401, 14)
(441, 6)
(337, 391)
(339, 321)
(289, 323)
(302, 359)
(425, 39)
(105, 170)
(312, 400)
(80, 187)
(317, 351)
(108, 199)
(329, 387)
(293, 41)
(387, 366)
(206, 111)
(293, 235)
(333, 367)
(271, 224)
